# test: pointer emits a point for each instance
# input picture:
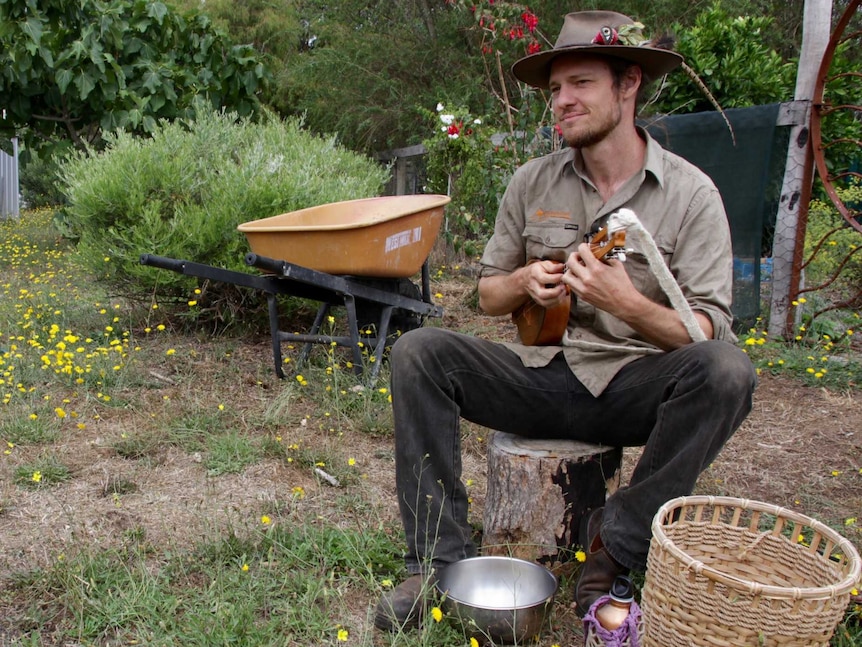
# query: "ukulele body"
(540, 326)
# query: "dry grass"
(141, 472)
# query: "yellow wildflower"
(581, 556)
(342, 635)
(265, 520)
(37, 476)
(437, 614)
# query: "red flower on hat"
(606, 36)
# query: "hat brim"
(535, 69)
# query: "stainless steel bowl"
(503, 599)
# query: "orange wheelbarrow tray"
(387, 236)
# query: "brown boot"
(403, 607)
(598, 571)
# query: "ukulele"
(539, 326)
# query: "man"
(627, 371)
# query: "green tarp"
(748, 176)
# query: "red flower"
(534, 47)
(454, 129)
(530, 20)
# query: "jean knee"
(415, 346)
(730, 370)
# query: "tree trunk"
(538, 492)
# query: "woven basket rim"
(754, 588)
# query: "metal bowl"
(503, 599)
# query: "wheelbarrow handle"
(173, 264)
(264, 263)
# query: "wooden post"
(538, 492)
(798, 174)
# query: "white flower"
(453, 136)
(439, 107)
(447, 119)
(478, 122)
(444, 129)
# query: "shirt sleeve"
(505, 251)
(703, 260)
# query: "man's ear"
(631, 81)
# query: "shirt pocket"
(550, 240)
(643, 277)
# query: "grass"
(186, 492)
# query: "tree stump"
(538, 492)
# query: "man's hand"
(539, 280)
(545, 282)
(604, 284)
(607, 286)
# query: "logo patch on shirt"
(541, 214)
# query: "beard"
(594, 133)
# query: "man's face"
(587, 105)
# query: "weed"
(230, 453)
(47, 470)
(32, 430)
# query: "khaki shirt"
(549, 207)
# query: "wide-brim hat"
(605, 33)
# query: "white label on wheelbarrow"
(403, 238)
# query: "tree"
(76, 70)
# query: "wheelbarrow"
(358, 253)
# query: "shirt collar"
(654, 158)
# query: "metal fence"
(9, 192)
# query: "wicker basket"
(728, 572)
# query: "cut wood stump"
(538, 492)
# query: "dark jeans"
(681, 405)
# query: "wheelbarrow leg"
(272, 306)
(426, 282)
(322, 311)
(380, 347)
(353, 326)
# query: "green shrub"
(732, 56)
(38, 179)
(182, 193)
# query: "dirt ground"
(801, 447)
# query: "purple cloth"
(628, 630)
